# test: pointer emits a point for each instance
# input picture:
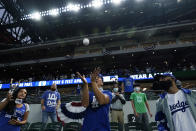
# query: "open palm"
(95, 74)
(82, 77)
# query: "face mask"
(53, 89)
(137, 89)
(164, 85)
(18, 101)
(101, 89)
(115, 90)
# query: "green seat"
(72, 125)
(153, 126)
(35, 126)
(131, 118)
(70, 129)
(25, 127)
(56, 126)
(115, 126)
(130, 126)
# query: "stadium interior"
(42, 40)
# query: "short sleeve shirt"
(139, 100)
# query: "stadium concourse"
(43, 42)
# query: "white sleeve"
(113, 95)
(122, 96)
(27, 107)
(4, 100)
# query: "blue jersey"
(97, 116)
(128, 84)
(4, 118)
(50, 100)
(78, 90)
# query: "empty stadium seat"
(153, 126)
(72, 125)
(35, 126)
(56, 126)
(114, 126)
(25, 127)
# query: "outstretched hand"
(82, 77)
(9, 96)
(95, 74)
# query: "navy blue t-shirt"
(50, 100)
(97, 116)
(128, 84)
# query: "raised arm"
(18, 83)
(11, 81)
(122, 87)
(101, 97)
(85, 95)
(5, 102)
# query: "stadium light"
(97, 3)
(76, 8)
(90, 5)
(54, 12)
(35, 16)
(139, 1)
(108, 1)
(72, 7)
(116, 2)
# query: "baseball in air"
(86, 41)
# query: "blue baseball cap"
(170, 75)
(101, 76)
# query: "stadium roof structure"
(33, 22)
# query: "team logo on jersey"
(179, 106)
(128, 83)
(94, 103)
(21, 112)
(51, 102)
(139, 99)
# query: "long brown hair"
(10, 107)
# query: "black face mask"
(53, 89)
(164, 85)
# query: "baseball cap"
(101, 76)
(170, 75)
(158, 76)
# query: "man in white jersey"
(176, 109)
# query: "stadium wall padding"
(36, 113)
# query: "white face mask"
(101, 88)
(18, 101)
(115, 90)
(137, 89)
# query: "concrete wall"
(36, 115)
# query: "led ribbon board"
(78, 81)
